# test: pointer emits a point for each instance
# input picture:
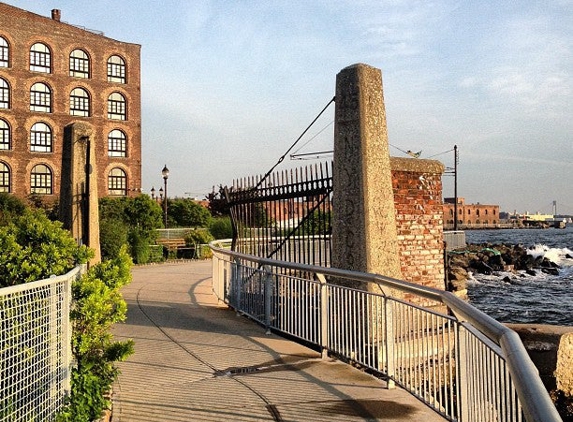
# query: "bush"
(129, 220)
(139, 244)
(98, 305)
(221, 228)
(10, 208)
(33, 248)
(198, 237)
(113, 235)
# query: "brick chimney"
(56, 14)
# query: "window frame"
(79, 66)
(5, 136)
(41, 100)
(80, 105)
(41, 181)
(41, 140)
(116, 108)
(4, 94)
(117, 145)
(5, 177)
(4, 52)
(116, 69)
(117, 183)
(40, 59)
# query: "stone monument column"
(79, 210)
(364, 234)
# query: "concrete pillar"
(364, 226)
(78, 192)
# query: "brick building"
(470, 215)
(52, 75)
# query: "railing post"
(462, 372)
(268, 287)
(236, 269)
(323, 315)
(390, 343)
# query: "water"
(539, 299)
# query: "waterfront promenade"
(196, 360)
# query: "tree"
(129, 220)
(187, 213)
(218, 205)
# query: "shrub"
(221, 228)
(33, 248)
(98, 305)
(198, 237)
(10, 208)
(113, 235)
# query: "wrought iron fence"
(285, 215)
(35, 348)
(462, 363)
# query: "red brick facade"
(417, 188)
(470, 216)
(20, 31)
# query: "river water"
(539, 299)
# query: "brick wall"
(417, 188)
(21, 29)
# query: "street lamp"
(153, 193)
(165, 173)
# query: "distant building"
(470, 215)
(53, 74)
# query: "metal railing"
(35, 348)
(459, 361)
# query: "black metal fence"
(285, 215)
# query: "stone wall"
(551, 350)
(417, 188)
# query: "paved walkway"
(196, 360)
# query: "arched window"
(4, 53)
(40, 58)
(469, 212)
(41, 180)
(4, 178)
(79, 102)
(4, 94)
(41, 138)
(477, 213)
(117, 182)
(486, 212)
(116, 69)
(5, 138)
(116, 107)
(116, 144)
(41, 98)
(79, 64)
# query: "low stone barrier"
(551, 350)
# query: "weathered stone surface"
(364, 225)
(79, 210)
(551, 350)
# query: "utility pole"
(455, 187)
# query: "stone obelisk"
(364, 224)
(78, 192)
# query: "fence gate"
(285, 215)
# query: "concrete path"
(196, 360)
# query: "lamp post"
(165, 173)
(153, 193)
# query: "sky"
(229, 85)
